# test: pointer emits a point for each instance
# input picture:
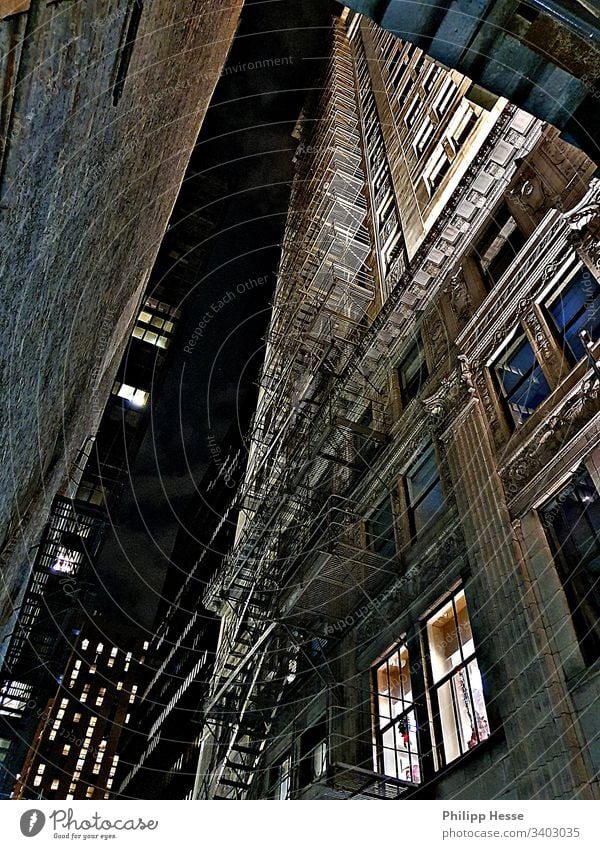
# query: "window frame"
(411, 506)
(407, 391)
(379, 730)
(432, 686)
(514, 341)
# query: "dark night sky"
(245, 142)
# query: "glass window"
(522, 381)
(380, 529)
(412, 372)
(283, 781)
(572, 522)
(318, 758)
(577, 308)
(396, 749)
(499, 244)
(457, 702)
(424, 491)
(136, 397)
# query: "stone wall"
(101, 105)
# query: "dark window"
(577, 308)
(572, 522)
(380, 529)
(498, 245)
(456, 698)
(412, 372)
(124, 55)
(424, 491)
(396, 742)
(522, 381)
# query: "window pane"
(428, 508)
(572, 521)
(421, 476)
(412, 372)
(380, 529)
(577, 308)
(442, 636)
(523, 383)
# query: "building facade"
(70, 571)
(540, 54)
(74, 751)
(159, 753)
(101, 106)
(411, 605)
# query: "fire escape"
(320, 314)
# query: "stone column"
(525, 687)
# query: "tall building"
(101, 107)
(540, 54)
(74, 751)
(410, 608)
(69, 576)
(159, 753)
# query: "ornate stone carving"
(587, 209)
(460, 300)
(458, 385)
(548, 441)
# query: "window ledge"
(425, 790)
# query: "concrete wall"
(92, 153)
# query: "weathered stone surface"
(92, 154)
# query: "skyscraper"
(410, 607)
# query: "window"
(4, 747)
(457, 704)
(319, 759)
(54, 785)
(136, 397)
(380, 529)
(126, 48)
(283, 779)
(572, 522)
(396, 750)
(412, 372)
(577, 308)
(423, 491)
(522, 382)
(498, 245)
(66, 749)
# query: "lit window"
(522, 382)
(89, 792)
(113, 652)
(577, 308)
(412, 372)
(457, 704)
(99, 648)
(120, 685)
(54, 785)
(572, 522)
(136, 397)
(77, 717)
(423, 491)
(37, 781)
(396, 748)
(84, 646)
(283, 780)
(66, 749)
